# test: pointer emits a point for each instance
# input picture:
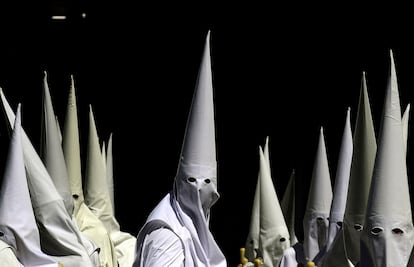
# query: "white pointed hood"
(343, 170)
(274, 234)
(59, 235)
(387, 238)
(405, 125)
(195, 184)
(51, 149)
(109, 172)
(289, 207)
(315, 221)
(17, 220)
(363, 157)
(252, 242)
(71, 147)
(96, 189)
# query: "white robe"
(169, 216)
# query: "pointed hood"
(343, 170)
(96, 189)
(363, 157)
(195, 183)
(274, 234)
(252, 242)
(288, 206)
(387, 239)
(60, 237)
(17, 220)
(315, 221)
(51, 149)
(71, 147)
(109, 172)
(405, 125)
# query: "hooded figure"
(177, 231)
(53, 158)
(252, 242)
(274, 234)
(315, 221)
(99, 201)
(87, 222)
(60, 237)
(340, 194)
(18, 228)
(387, 238)
(124, 242)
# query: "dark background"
(281, 71)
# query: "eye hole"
(191, 179)
(251, 242)
(319, 219)
(339, 224)
(1, 234)
(376, 230)
(207, 181)
(358, 227)
(397, 231)
(282, 239)
(75, 196)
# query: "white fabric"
(162, 248)
(389, 206)
(110, 172)
(60, 237)
(288, 204)
(7, 256)
(71, 147)
(169, 212)
(363, 158)
(17, 221)
(98, 199)
(315, 221)
(293, 256)
(195, 184)
(87, 222)
(405, 125)
(274, 234)
(343, 170)
(51, 150)
(252, 242)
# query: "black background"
(281, 71)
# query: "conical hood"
(274, 234)
(96, 189)
(109, 172)
(289, 207)
(405, 125)
(343, 170)
(315, 221)
(387, 238)
(252, 242)
(60, 237)
(71, 146)
(363, 157)
(51, 149)
(199, 147)
(195, 184)
(17, 220)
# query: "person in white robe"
(51, 152)
(19, 235)
(59, 235)
(177, 231)
(315, 221)
(87, 221)
(388, 236)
